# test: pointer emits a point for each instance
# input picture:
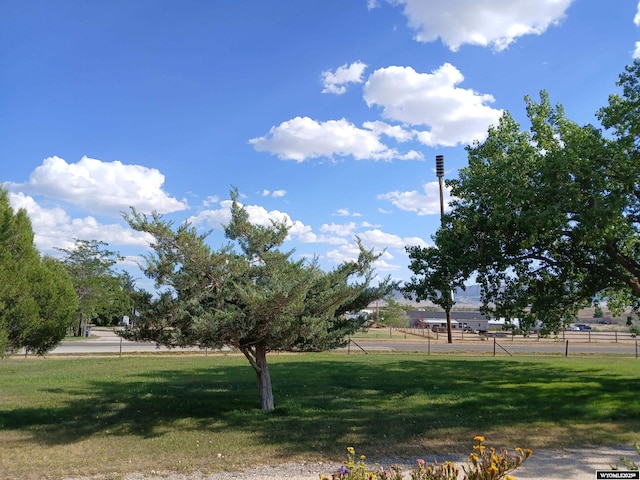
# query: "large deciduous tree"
(547, 218)
(37, 300)
(249, 294)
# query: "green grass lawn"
(137, 413)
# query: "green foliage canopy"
(547, 219)
(101, 291)
(393, 315)
(248, 294)
(37, 300)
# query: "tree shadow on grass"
(383, 405)
(143, 405)
(402, 405)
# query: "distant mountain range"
(470, 299)
(464, 298)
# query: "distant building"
(475, 321)
(501, 324)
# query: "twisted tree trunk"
(257, 356)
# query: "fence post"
(566, 349)
(494, 346)
(616, 336)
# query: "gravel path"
(570, 464)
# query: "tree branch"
(251, 356)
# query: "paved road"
(106, 341)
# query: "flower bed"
(483, 464)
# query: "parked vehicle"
(583, 327)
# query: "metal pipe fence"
(573, 336)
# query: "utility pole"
(440, 175)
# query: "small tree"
(249, 294)
(394, 315)
(435, 275)
(597, 311)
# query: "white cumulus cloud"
(454, 115)
(341, 235)
(397, 132)
(416, 242)
(274, 193)
(106, 187)
(344, 253)
(487, 23)
(53, 227)
(344, 212)
(337, 81)
(429, 108)
(425, 203)
(380, 240)
(303, 138)
(339, 229)
(258, 215)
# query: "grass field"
(182, 413)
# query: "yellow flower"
(362, 457)
(473, 457)
(493, 469)
(351, 450)
(509, 477)
(479, 438)
(324, 477)
(480, 448)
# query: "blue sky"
(327, 113)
